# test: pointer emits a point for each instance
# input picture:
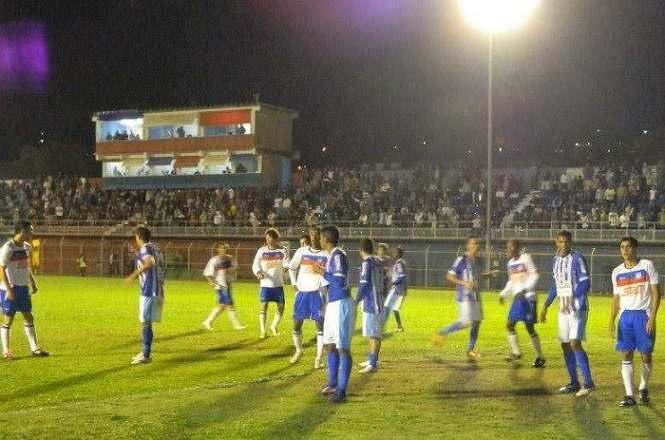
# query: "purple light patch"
(24, 62)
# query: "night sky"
(366, 75)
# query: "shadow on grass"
(60, 384)
(588, 414)
(158, 339)
(648, 424)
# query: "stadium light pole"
(491, 17)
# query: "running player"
(522, 279)
(269, 264)
(636, 299)
(570, 283)
(16, 273)
(219, 272)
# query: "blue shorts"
(272, 294)
(308, 305)
(633, 332)
(224, 296)
(21, 302)
(523, 309)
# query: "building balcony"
(176, 145)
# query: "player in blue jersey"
(269, 265)
(17, 278)
(522, 279)
(397, 288)
(308, 303)
(370, 295)
(339, 317)
(465, 274)
(570, 283)
(150, 272)
(636, 299)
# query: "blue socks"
(569, 357)
(333, 368)
(147, 341)
(373, 359)
(473, 335)
(345, 364)
(583, 362)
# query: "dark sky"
(366, 75)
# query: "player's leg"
(31, 334)
(5, 332)
(330, 336)
(346, 328)
(472, 354)
(230, 309)
(214, 314)
(568, 355)
(146, 311)
(627, 377)
(577, 335)
(318, 360)
(333, 370)
(278, 316)
(535, 341)
(297, 339)
(644, 377)
(398, 319)
(644, 343)
(262, 318)
(464, 311)
(515, 352)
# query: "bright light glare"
(492, 16)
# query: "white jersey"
(301, 268)
(16, 261)
(633, 286)
(272, 263)
(522, 277)
(219, 268)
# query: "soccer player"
(636, 299)
(219, 272)
(522, 279)
(465, 274)
(370, 294)
(397, 288)
(308, 303)
(269, 264)
(150, 272)
(339, 316)
(570, 283)
(16, 275)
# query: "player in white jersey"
(522, 279)
(219, 272)
(150, 270)
(636, 299)
(397, 288)
(308, 303)
(16, 273)
(269, 265)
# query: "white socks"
(627, 375)
(235, 322)
(319, 345)
(213, 315)
(535, 341)
(275, 322)
(32, 336)
(514, 347)
(297, 341)
(646, 373)
(4, 335)
(262, 322)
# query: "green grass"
(227, 384)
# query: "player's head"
(272, 237)
(382, 249)
(23, 231)
(628, 248)
(329, 237)
(366, 247)
(563, 242)
(472, 245)
(314, 236)
(142, 235)
(304, 240)
(513, 248)
(398, 252)
(223, 248)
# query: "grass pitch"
(229, 384)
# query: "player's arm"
(33, 283)
(256, 265)
(655, 301)
(148, 262)
(583, 283)
(551, 295)
(337, 274)
(364, 285)
(506, 291)
(5, 280)
(294, 265)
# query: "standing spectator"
(83, 265)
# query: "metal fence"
(427, 267)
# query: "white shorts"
(572, 325)
(339, 322)
(373, 325)
(470, 311)
(150, 308)
(394, 301)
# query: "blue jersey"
(337, 275)
(152, 280)
(466, 269)
(570, 282)
(371, 286)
